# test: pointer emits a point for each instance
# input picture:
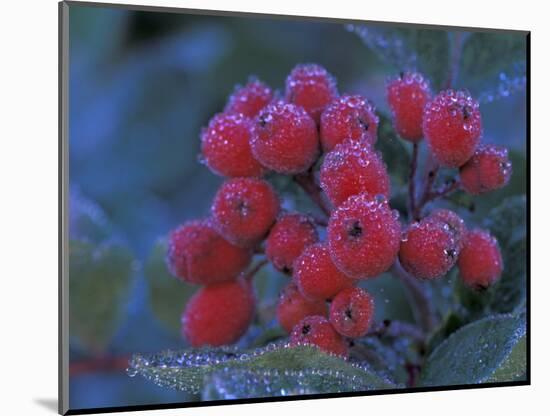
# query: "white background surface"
(28, 230)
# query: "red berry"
(310, 86)
(348, 117)
(226, 147)
(284, 138)
(293, 307)
(316, 275)
(317, 331)
(480, 261)
(452, 127)
(428, 249)
(198, 254)
(487, 170)
(244, 209)
(219, 314)
(363, 236)
(454, 222)
(407, 97)
(250, 99)
(352, 312)
(353, 168)
(288, 238)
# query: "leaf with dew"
(279, 365)
(488, 350)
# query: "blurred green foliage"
(99, 285)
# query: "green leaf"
(485, 54)
(268, 284)
(432, 47)
(87, 220)
(98, 28)
(507, 222)
(386, 355)
(452, 322)
(191, 370)
(392, 302)
(100, 277)
(293, 197)
(513, 368)
(511, 290)
(393, 150)
(409, 49)
(167, 295)
(488, 350)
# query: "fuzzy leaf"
(510, 291)
(167, 295)
(100, 277)
(507, 222)
(514, 367)
(432, 47)
(451, 323)
(488, 350)
(404, 49)
(279, 366)
(391, 296)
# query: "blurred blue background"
(142, 84)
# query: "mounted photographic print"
(265, 208)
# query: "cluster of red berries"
(258, 132)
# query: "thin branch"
(446, 189)
(442, 192)
(99, 364)
(307, 182)
(454, 64)
(421, 302)
(321, 222)
(412, 176)
(413, 371)
(259, 250)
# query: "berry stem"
(412, 175)
(307, 182)
(97, 364)
(252, 272)
(259, 250)
(321, 222)
(454, 64)
(426, 193)
(420, 300)
(413, 370)
(443, 191)
(446, 189)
